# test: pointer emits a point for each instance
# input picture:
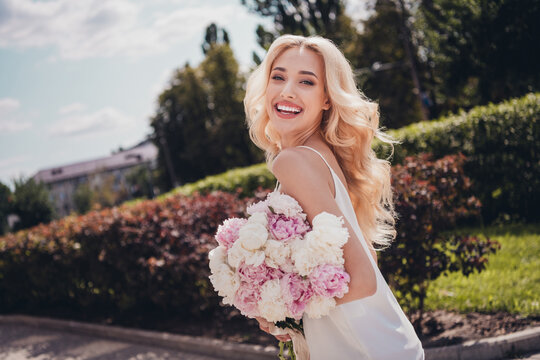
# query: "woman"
(304, 110)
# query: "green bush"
(244, 181)
(431, 197)
(502, 145)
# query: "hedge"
(502, 145)
(151, 257)
(148, 257)
(243, 180)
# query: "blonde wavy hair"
(348, 128)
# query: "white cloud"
(8, 104)
(14, 167)
(9, 118)
(106, 119)
(95, 28)
(72, 108)
(161, 84)
(12, 160)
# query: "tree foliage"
(140, 181)
(384, 69)
(200, 118)
(322, 17)
(480, 51)
(31, 203)
(83, 198)
(5, 207)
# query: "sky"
(79, 79)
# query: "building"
(62, 181)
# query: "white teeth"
(288, 108)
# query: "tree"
(302, 17)
(181, 119)
(214, 35)
(5, 207)
(140, 182)
(480, 51)
(230, 143)
(83, 197)
(385, 74)
(31, 203)
(110, 192)
(199, 125)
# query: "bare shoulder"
(297, 163)
(288, 158)
(303, 177)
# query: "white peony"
(309, 253)
(330, 229)
(253, 234)
(329, 252)
(285, 204)
(272, 307)
(255, 258)
(261, 206)
(226, 282)
(258, 218)
(319, 306)
(326, 219)
(237, 254)
(217, 256)
(277, 253)
(303, 257)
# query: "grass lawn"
(510, 282)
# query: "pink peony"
(285, 228)
(296, 293)
(273, 273)
(246, 299)
(329, 281)
(258, 275)
(227, 233)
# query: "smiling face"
(295, 95)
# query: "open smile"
(287, 110)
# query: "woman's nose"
(287, 91)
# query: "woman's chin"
(283, 128)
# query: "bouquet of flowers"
(274, 265)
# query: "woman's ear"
(327, 104)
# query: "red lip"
(286, 103)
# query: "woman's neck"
(311, 140)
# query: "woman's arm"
(302, 177)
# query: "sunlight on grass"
(510, 282)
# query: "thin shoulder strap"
(319, 155)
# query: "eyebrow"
(304, 72)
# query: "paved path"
(20, 342)
(25, 342)
(532, 356)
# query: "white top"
(374, 327)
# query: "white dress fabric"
(374, 327)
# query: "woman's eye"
(277, 77)
(307, 82)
